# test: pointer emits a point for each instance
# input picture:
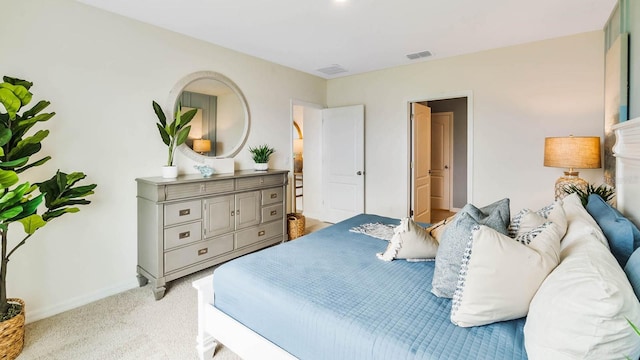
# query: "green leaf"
(74, 177)
(54, 214)
(187, 117)
(8, 178)
(160, 114)
(16, 81)
(19, 91)
(5, 135)
(8, 214)
(41, 105)
(24, 150)
(182, 135)
(14, 163)
(163, 134)
(10, 101)
(32, 223)
(37, 163)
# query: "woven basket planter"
(296, 225)
(12, 334)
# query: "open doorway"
(448, 147)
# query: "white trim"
(443, 96)
(76, 302)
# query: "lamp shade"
(201, 145)
(573, 152)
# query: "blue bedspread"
(327, 296)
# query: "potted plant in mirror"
(173, 134)
(260, 155)
(20, 200)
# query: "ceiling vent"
(332, 70)
(418, 55)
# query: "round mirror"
(221, 124)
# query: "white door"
(343, 162)
(421, 126)
(441, 160)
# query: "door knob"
(446, 166)
(359, 173)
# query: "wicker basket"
(12, 334)
(296, 225)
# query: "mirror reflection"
(219, 124)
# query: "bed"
(263, 309)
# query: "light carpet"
(130, 325)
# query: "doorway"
(449, 144)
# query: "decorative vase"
(12, 334)
(261, 166)
(170, 172)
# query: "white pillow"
(410, 241)
(580, 223)
(500, 276)
(580, 310)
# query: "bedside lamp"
(572, 152)
(201, 146)
(298, 147)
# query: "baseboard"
(455, 209)
(73, 303)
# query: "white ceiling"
(364, 35)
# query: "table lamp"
(201, 146)
(572, 152)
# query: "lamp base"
(569, 178)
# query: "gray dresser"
(191, 223)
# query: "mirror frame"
(179, 87)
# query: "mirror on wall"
(221, 125)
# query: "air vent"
(418, 55)
(332, 70)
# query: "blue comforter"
(327, 296)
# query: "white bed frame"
(215, 326)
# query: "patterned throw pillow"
(411, 242)
(526, 220)
(491, 290)
(455, 238)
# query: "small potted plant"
(260, 155)
(173, 134)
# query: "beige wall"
(519, 94)
(101, 71)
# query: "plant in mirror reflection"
(175, 133)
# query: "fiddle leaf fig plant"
(175, 133)
(20, 200)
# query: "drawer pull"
(237, 212)
(274, 196)
(274, 212)
(203, 251)
(261, 233)
(232, 212)
(185, 234)
(184, 212)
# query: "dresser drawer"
(254, 235)
(259, 181)
(182, 212)
(180, 191)
(182, 235)
(271, 213)
(272, 196)
(190, 255)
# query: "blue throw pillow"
(632, 269)
(622, 234)
(455, 238)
